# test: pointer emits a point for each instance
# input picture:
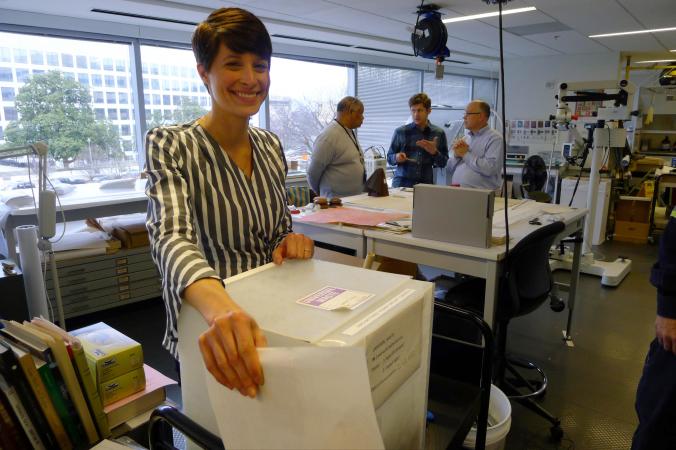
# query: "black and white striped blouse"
(205, 217)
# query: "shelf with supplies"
(94, 283)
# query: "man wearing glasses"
(417, 147)
(476, 161)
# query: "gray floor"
(592, 385)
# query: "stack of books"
(49, 399)
(115, 361)
(48, 393)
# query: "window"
(112, 114)
(107, 64)
(6, 74)
(385, 92)
(125, 130)
(83, 78)
(67, 64)
(10, 113)
(123, 98)
(37, 57)
(8, 94)
(298, 115)
(20, 56)
(111, 98)
(124, 115)
(122, 82)
(81, 61)
(170, 61)
(450, 91)
(109, 80)
(120, 65)
(66, 60)
(5, 54)
(53, 59)
(485, 89)
(22, 75)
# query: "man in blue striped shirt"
(476, 161)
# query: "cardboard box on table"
(400, 310)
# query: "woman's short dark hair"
(420, 99)
(237, 29)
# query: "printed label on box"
(331, 298)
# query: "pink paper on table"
(154, 380)
(351, 216)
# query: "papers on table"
(313, 398)
(351, 216)
(396, 201)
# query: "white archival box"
(400, 311)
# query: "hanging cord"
(417, 20)
(504, 129)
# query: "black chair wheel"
(556, 433)
(556, 304)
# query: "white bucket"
(500, 415)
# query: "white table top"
(91, 195)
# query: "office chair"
(456, 403)
(526, 283)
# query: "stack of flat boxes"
(93, 283)
(115, 361)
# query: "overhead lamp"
(673, 51)
(625, 33)
(489, 14)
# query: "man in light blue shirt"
(337, 162)
(477, 159)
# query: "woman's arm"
(226, 345)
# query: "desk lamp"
(46, 212)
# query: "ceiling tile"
(568, 42)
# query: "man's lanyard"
(350, 135)
(353, 138)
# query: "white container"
(500, 414)
(400, 311)
(580, 201)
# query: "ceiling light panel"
(505, 12)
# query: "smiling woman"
(218, 199)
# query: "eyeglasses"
(471, 113)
